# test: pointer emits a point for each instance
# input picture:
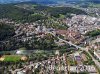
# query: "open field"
(11, 58)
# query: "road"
(81, 48)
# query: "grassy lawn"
(71, 62)
(34, 5)
(12, 58)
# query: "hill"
(32, 12)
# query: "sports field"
(11, 58)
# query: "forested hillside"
(24, 15)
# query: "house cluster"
(7, 21)
(92, 10)
(83, 23)
(71, 35)
(58, 63)
(27, 31)
(79, 58)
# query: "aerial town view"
(49, 36)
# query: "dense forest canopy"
(6, 31)
(93, 33)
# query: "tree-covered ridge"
(56, 11)
(26, 15)
(18, 14)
